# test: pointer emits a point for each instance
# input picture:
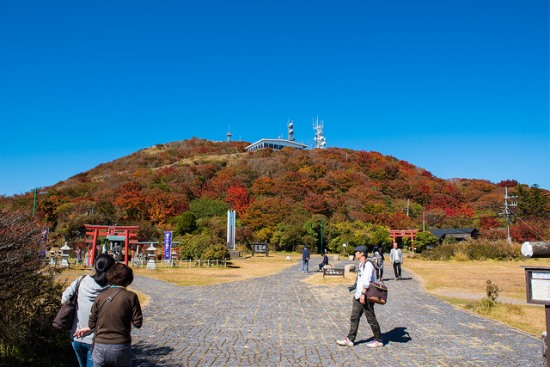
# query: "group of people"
(396, 259)
(106, 312)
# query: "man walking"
(365, 276)
(305, 260)
(396, 258)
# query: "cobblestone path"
(280, 320)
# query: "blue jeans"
(112, 355)
(83, 353)
(305, 266)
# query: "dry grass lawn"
(238, 269)
(68, 275)
(462, 282)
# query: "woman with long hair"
(90, 287)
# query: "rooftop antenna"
(290, 130)
(228, 135)
(320, 141)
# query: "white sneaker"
(374, 344)
(345, 342)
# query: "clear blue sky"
(458, 87)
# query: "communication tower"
(228, 136)
(291, 130)
(320, 141)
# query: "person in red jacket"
(112, 316)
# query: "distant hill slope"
(269, 188)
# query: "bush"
(474, 250)
(214, 252)
(193, 246)
(441, 252)
(485, 305)
(29, 299)
(485, 249)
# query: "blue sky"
(457, 87)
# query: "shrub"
(193, 246)
(441, 252)
(214, 252)
(474, 250)
(485, 305)
(29, 299)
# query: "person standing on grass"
(361, 305)
(396, 258)
(305, 260)
(112, 316)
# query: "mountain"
(272, 190)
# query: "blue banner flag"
(167, 244)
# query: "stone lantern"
(52, 258)
(173, 258)
(151, 263)
(65, 256)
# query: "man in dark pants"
(305, 260)
(324, 262)
(365, 276)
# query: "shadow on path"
(397, 335)
(148, 355)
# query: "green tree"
(185, 223)
(423, 239)
(208, 208)
(532, 202)
(216, 252)
(193, 245)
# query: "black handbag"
(66, 314)
(377, 292)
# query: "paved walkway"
(281, 321)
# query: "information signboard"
(538, 285)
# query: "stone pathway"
(282, 321)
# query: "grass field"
(461, 283)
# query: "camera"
(351, 288)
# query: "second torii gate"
(394, 233)
(128, 232)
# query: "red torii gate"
(394, 233)
(128, 232)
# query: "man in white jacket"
(396, 258)
(365, 276)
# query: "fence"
(176, 263)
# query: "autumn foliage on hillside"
(281, 197)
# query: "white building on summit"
(277, 144)
(280, 143)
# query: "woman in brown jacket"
(112, 316)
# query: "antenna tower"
(290, 130)
(509, 202)
(228, 136)
(320, 141)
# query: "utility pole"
(509, 202)
(34, 204)
(423, 221)
(321, 229)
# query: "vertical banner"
(43, 242)
(167, 244)
(231, 230)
